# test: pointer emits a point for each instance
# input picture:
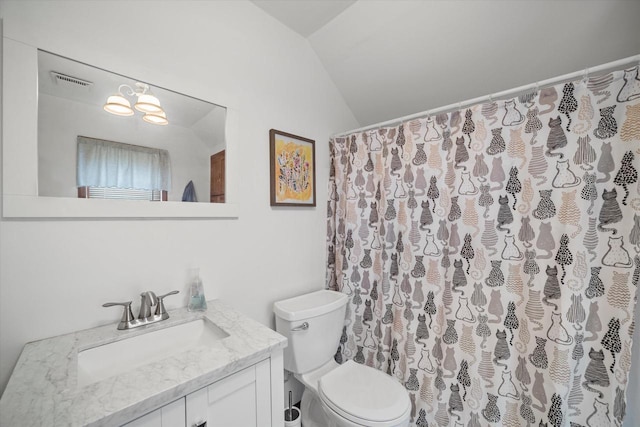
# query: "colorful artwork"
(292, 170)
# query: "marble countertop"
(43, 391)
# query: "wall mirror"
(71, 101)
(51, 102)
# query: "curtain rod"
(506, 93)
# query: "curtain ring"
(586, 75)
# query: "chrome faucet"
(148, 299)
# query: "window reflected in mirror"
(112, 170)
(104, 135)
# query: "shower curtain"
(491, 255)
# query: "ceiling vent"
(65, 80)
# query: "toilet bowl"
(347, 395)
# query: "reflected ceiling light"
(118, 105)
(156, 118)
(146, 103)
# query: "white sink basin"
(99, 363)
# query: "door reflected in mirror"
(136, 140)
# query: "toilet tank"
(314, 345)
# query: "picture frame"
(292, 169)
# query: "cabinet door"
(171, 415)
(240, 400)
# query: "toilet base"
(315, 414)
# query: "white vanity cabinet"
(229, 374)
(242, 399)
(171, 415)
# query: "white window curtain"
(104, 163)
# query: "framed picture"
(293, 169)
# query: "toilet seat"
(364, 395)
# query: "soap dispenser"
(197, 301)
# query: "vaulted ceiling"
(391, 58)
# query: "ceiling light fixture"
(146, 103)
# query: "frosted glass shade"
(156, 118)
(148, 103)
(118, 105)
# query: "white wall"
(54, 275)
(215, 119)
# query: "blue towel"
(189, 194)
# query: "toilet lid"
(361, 393)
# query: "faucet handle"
(167, 294)
(160, 310)
(127, 315)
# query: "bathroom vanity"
(217, 367)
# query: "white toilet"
(347, 395)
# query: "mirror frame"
(20, 197)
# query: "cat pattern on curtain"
(495, 275)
